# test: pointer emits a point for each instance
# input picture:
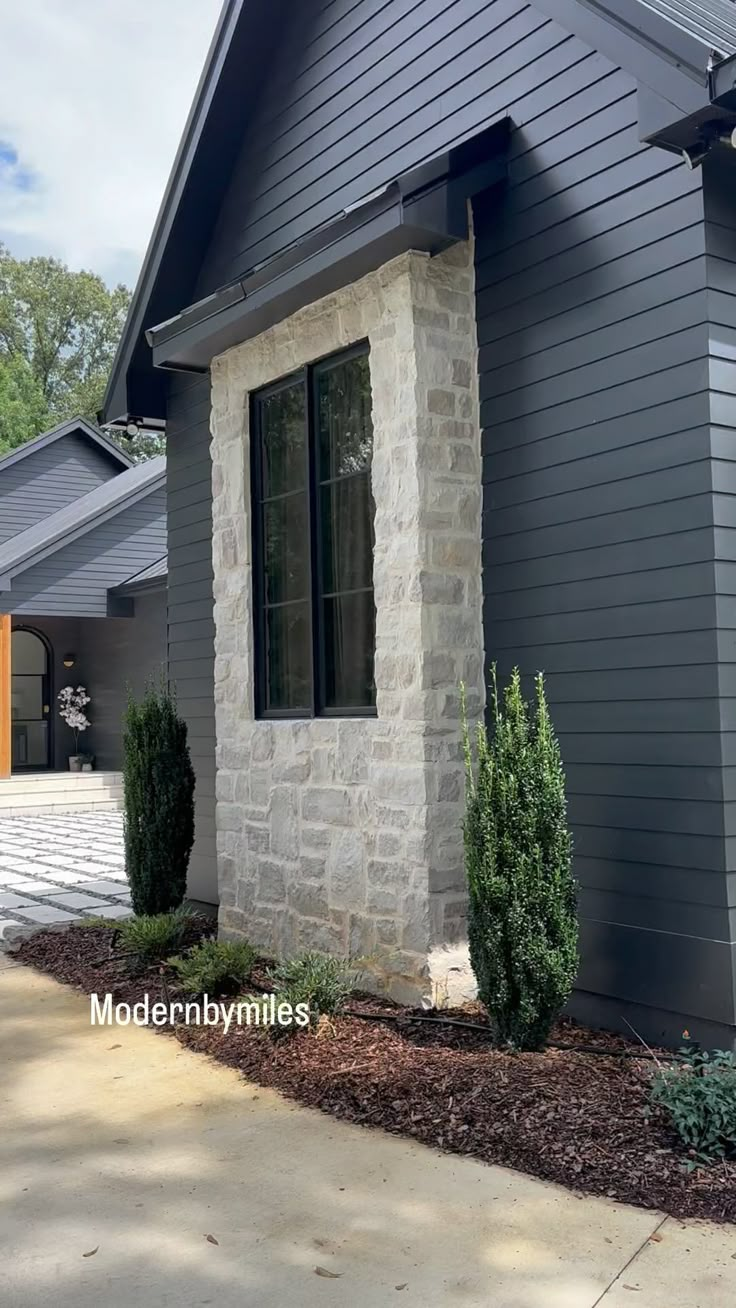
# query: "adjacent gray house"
(82, 591)
(440, 314)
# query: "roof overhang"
(425, 210)
(48, 537)
(686, 95)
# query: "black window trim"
(308, 376)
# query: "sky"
(94, 95)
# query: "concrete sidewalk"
(120, 1145)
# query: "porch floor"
(24, 793)
(57, 868)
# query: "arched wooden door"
(30, 701)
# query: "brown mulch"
(571, 1117)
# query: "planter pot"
(87, 767)
(75, 762)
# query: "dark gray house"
(440, 314)
(82, 591)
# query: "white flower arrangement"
(72, 710)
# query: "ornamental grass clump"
(215, 967)
(320, 981)
(150, 938)
(158, 781)
(522, 919)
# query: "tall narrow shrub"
(522, 921)
(159, 801)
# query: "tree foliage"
(158, 781)
(23, 408)
(522, 923)
(59, 330)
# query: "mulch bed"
(571, 1117)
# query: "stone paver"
(46, 914)
(15, 901)
(56, 869)
(79, 901)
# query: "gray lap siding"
(594, 360)
(190, 621)
(596, 291)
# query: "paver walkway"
(136, 1172)
(57, 868)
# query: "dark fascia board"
(121, 599)
(152, 577)
(98, 438)
(125, 378)
(660, 124)
(91, 511)
(424, 210)
(653, 50)
(722, 83)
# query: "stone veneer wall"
(345, 835)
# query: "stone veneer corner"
(345, 835)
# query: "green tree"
(158, 782)
(522, 918)
(23, 410)
(64, 327)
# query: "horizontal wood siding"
(191, 632)
(118, 655)
(593, 325)
(720, 239)
(74, 581)
(364, 91)
(49, 479)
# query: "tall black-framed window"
(313, 541)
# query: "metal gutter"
(425, 210)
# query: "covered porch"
(43, 654)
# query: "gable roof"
(664, 44)
(235, 65)
(74, 426)
(91, 510)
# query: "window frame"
(308, 377)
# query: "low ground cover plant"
(698, 1095)
(215, 967)
(522, 918)
(319, 980)
(152, 937)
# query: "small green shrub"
(522, 920)
(150, 938)
(698, 1094)
(159, 801)
(215, 967)
(322, 982)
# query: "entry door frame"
(46, 698)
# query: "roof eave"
(66, 537)
(424, 210)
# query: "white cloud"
(94, 95)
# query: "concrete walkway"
(118, 1144)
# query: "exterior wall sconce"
(69, 660)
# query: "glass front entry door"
(30, 701)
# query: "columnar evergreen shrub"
(159, 801)
(522, 921)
